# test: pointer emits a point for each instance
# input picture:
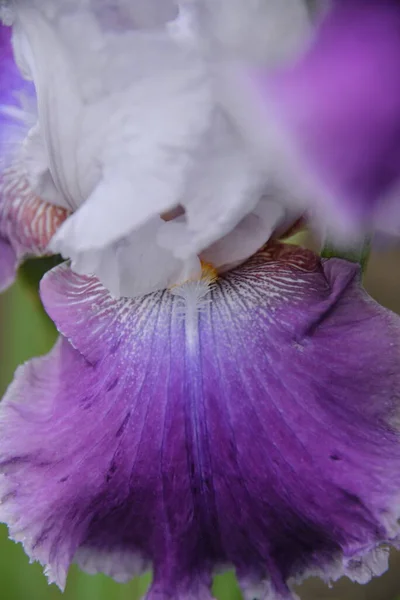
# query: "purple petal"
(8, 265)
(10, 78)
(14, 92)
(247, 422)
(340, 107)
(8, 81)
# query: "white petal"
(34, 160)
(13, 130)
(147, 149)
(247, 237)
(266, 30)
(135, 265)
(119, 14)
(59, 106)
(223, 188)
(147, 13)
(92, 86)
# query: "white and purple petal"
(336, 114)
(26, 223)
(248, 421)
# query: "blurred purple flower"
(248, 421)
(337, 111)
(333, 116)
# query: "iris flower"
(192, 417)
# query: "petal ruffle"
(136, 265)
(250, 421)
(338, 107)
(98, 98)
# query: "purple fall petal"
(339, 106)
(247, 422)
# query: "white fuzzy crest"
(194, 297)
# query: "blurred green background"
(27, 332)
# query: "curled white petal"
(134, 265)
(133, 122)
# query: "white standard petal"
(224, 186)
(34, 161)
(129, 14)
(40, 52)
(248, 236)
(146, 150)
(135, 265)
(266, 30)
(94, 122)
(149, 13)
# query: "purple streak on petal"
(256, 428)
(8, 265)
(341, 103)
(8, 82)
(13, 89)
(10, 78)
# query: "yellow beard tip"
(208, 276)
(208, 272)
